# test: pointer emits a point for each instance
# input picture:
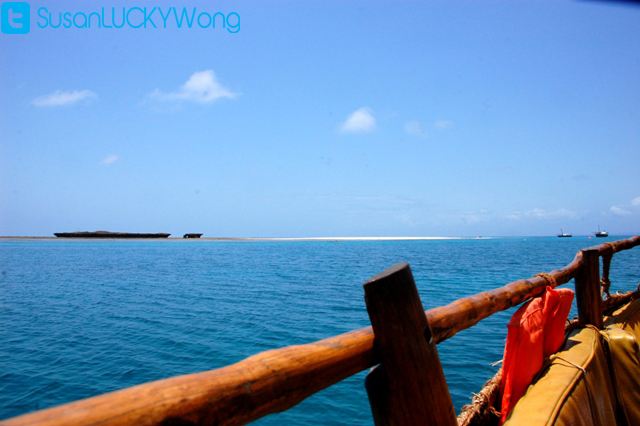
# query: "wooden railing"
(277, 380)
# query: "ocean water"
(81, 318)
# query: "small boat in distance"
(601, 234)
(107, 234)
(563, 235)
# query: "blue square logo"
(15, 17)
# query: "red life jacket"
(535, 331)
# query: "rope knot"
(548, 278)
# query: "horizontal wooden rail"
(277, 380)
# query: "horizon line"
(326, 238)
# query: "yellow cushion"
(562, 394)
(621, 333)
(627, 318)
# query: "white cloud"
(474, 217)
(414, 128)
(405, 219)
(537, 213)
(514, 216)
(635, 201)
(543, 214)
(619, 211)
(202, 87)
(443, 124)
(110, 159)
(360, 121)
(60, 98)
(564, 213)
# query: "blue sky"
(325, 118)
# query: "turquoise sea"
(80, 318)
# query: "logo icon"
(15, 17)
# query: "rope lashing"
(548, 278)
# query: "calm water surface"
(80, 318)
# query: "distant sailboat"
(563, 235)
(601, 234)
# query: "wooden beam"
(415, 391)
(588, 294)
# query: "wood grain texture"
(376, 384)
(588, 295)
(277, 380)
(415, 391)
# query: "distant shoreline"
(293, 239)
(258, 238)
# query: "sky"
(322, 118)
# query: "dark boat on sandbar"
(107, 234)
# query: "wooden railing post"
(606, 266)
(409, 388)
(588, 293)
